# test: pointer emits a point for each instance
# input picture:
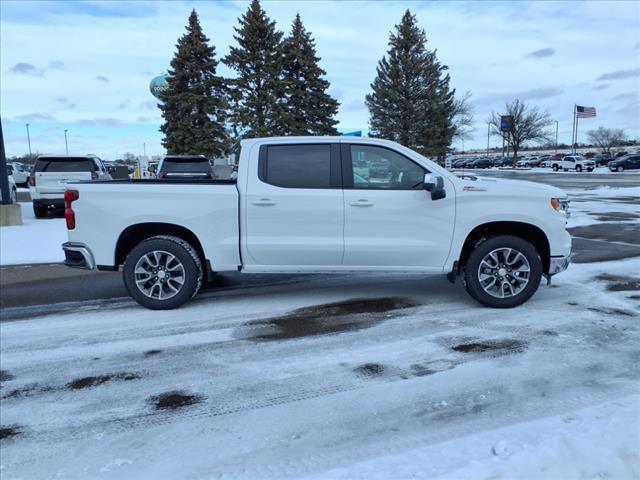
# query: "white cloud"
(482, 43)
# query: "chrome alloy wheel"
(159, 275)
(504, 272)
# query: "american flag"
(585, 112)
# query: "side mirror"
(435, 185)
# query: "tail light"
(94, 176)
(32, 179)
(69, 215)
(162, 175)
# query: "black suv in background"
(627, 162)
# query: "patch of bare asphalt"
(88, 382)
(494, 347)
(623, 232)
(370, 370)
(612, 311)
(9, 431)
(174, 399)
(6, 375)
(349, 315)
(615, 216)
(619, 283)
(149, 353)
(27, 391)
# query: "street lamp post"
(556, 136)
(29, 140)
(66, 144)
(488, 131)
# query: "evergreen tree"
(309, 110)
(194, 102)
(411, 102)
(257, 91)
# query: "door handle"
(264, 202)
(361, 203)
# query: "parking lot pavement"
(302, 379)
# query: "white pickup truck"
(573, 162)
(321, 204)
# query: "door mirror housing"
(435, 185)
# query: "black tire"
(471, 279)
(555, 167)
(620, 168)
(40, 211)
(184, 253)
(589, 169)
(578, 168)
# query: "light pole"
(29, 140)
(66, 144)
(488, 132)
(556, 136)
(144, 149)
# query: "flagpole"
(573, 130)
(576, 140)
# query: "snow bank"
(38, 240)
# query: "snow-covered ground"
(37, 240)
(421, 383)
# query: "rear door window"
(174, 165)
(296, 166)
(54, 165)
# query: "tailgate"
(58, 180)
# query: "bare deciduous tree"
(605, 138)
(463, 117)
(529, 125)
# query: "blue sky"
(86, 66)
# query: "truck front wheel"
(503, 271)
(162, 272)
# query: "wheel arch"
(526, 231)
(134, 234)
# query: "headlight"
(561, 205)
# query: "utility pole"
(556, 136)
(488, 131)
(5, 193)
(29, 141)
(144, 149)
(66, 144)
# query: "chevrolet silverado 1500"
(321, 204)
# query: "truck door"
(390, 220)
(294, 206)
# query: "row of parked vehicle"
(579, 163)
(48, 176)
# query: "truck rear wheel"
(162, 272)
(503, 271)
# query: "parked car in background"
(573, 162)
(482, 163)
(601, 159)
(20, 174)
(185, 166)
(51, 174)
(627, 162)
(525, 162)
(13, 191)
(503, 162)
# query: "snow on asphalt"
(422, 382)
